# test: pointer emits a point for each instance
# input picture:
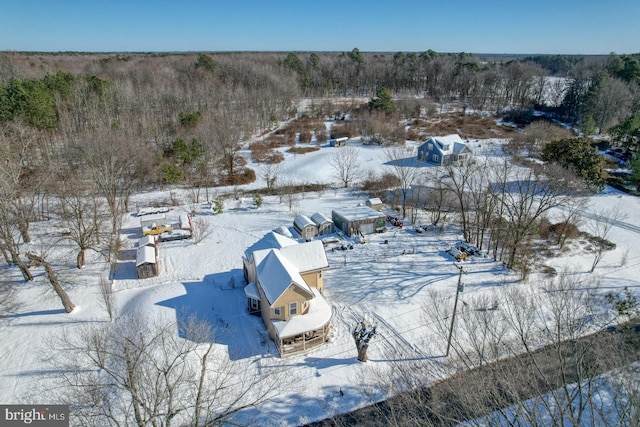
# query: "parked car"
(395, 221)
(155, 229)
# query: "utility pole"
(455, 307)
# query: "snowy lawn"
(384, 283)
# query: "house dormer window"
(293, 308)
(276, 311)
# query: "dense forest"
(110, 124)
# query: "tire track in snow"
(604, 218)
(400, 344)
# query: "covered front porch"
(306, 331)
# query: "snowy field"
(385, 283)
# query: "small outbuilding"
(358, 219)
(149, 220)
(339, 142)
(146, 262)
(306, 228)
(323, 223)
(151, 241)
(375, 203)
(185, 222)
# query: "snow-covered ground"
(385, 283)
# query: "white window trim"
(295, 308)
(277, 311)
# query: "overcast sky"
(476, 26)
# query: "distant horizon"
(186, 52)
(546, 27)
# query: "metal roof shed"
(358, 219)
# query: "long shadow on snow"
(329, 401)
(219, 300)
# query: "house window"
(435, 157)
(276, 311)
(320, 274)
(254, 304)
(430, 147)
(293, 308)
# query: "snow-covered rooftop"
(146, 240)
(251, 291)
(275, 273)
(145, 255)
(318, 315)
(307, 256)
(319, 218)
(302, 221)
(269, 241)
(357, 213)
(449, 143)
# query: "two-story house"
(443, 150)
(285, 287)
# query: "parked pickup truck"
(155, 229)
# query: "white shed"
(323, 223)
(146, 262)
(305, 227)
(374, 203)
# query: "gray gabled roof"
(302, 221)
(319, 219)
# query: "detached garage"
(359, 219)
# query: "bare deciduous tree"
(53, 279)
(139, 371)
(346, 165)
(115, 165)
(82, 215)
(535, 360)
(270, 172)
(600, 229)
(405, 168)
(201, 229)
(8, 232)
